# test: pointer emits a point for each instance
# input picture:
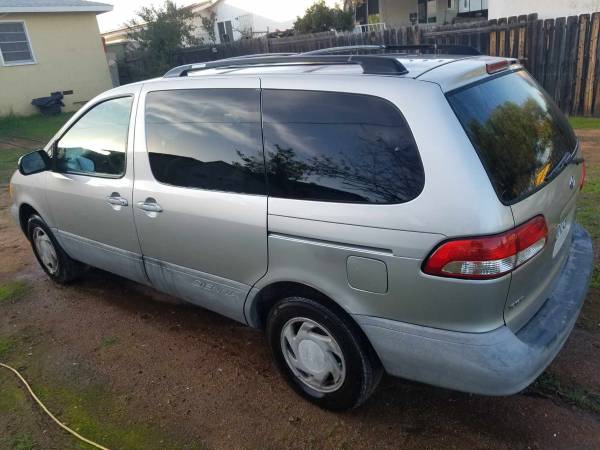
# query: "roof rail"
(435, 49)
(371, 64)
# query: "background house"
(48, 46)
(377, 14)
(233, 22)
(546, 9)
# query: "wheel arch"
(25, 212)
(259, 303)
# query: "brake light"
(496, 67)
(487, 257)
(583, 174)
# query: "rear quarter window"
(518, 132)
(338, 147)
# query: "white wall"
(241, 19)
(546, 9)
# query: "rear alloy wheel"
(313, 355)
(322, 354)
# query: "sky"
(278, 10)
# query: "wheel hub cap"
(45, 250)
(313, 355)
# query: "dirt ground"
(131, 368)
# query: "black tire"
(66, 269)
(363, 369)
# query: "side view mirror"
(34, 162)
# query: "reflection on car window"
(97, 143)
(517, 130)
(338, 147)
(207, 139)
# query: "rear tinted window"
(519, 133)
(338, 147)
(206, 139)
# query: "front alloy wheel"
(45, 249)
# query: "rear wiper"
(565, 161)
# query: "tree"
(320, 17)
(208, 23)
(159, 31)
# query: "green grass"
(6, 346)
(13, 290)
(23, 442)
(8, 162)
(108, 341)
(585, 123)
(35, 127)
(549, 384)
(33, 132)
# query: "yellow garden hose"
(60, 424)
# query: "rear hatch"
(532, 158)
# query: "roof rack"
(371, 64)
(434, 49)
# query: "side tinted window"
(339, 147)
(207, 139)
(97, 143)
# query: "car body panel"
(202, 237)
(92, 230)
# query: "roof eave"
(56, 9)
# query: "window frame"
(384, 99)
(19, 63)
(142, 113)
(83, 114)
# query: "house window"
(225, 31)
(427, 11)
(14, 44)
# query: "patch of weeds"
(6, 346)
(97, 415)
(13, 290)
(108, 341)
(23, 442)
(549, 385)
(13, 397)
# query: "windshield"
(521, 136)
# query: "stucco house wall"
(546, 9)
(69, 55)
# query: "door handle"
(149, 205)
(115, 199)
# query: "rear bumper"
(498, 362)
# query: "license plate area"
(562, 231)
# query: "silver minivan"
(413, 214)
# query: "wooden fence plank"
(596, 111)
(559, 56)
(588, 93)
(584, 20)
(570, 61)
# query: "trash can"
(49, 106)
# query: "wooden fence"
(562, 54)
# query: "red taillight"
(496, 67)
(583, 174)
(487, 257)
